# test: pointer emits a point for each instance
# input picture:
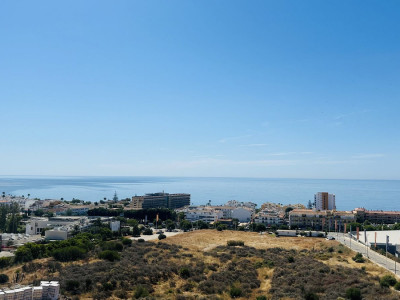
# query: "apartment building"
(377, 216)
(268, 218)
(48, 290)
(324, 201)
(158, 200)
(204, 214)
(320, 220)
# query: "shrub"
(387, 280)
(184, 273)
(397, 286)
(112, 246)
(140, 240)
(235, 291)
(311, 296)
(162, 236)
(127, 242)
(235, 243)
(5, 262)
(72, 285)
(359, 258)
(261, 298)
(109, 255)
(290, 259)
(108, 286)
(221, 227)
(353, 294)
(3, 278)
(148, 231)
(140, 292)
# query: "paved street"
(368, 253)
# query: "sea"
(371, 194)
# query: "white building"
(268, 218)
(36, 225)
(243, 214)
(324, 201)
(49, 290)
(235, 203)
(201, 213)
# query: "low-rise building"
(268, 218)
(377, 216)
(35, 225)
(202, 213)
(321, 220)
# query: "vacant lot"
(201, 265)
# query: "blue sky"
(299, 89)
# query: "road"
(373, 256)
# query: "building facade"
(324, 201)
(48, 290)
(160, 200)
(377, 216)
(320, 220)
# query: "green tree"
(185, 225)
(3, 217)
(169, 224)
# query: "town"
(25, 221)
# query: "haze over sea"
(371, 194)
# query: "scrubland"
(206, 264)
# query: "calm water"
(371, 194)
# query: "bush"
(359, 258)
(221, 227)
(112, 246)
(235, 243)
(311, 296)
(3, 278)
(397, 286)
(72, 285)
(290, 259)
(261, 298)
(5, 262)
(353, 294)
(184, 273)
(141, 292)
(127, 242)
(109, 255)
(140, 240)
(162, 236)
(235, 291)
(148, 231)
(387, 280)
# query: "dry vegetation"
(200, 265)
